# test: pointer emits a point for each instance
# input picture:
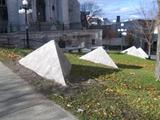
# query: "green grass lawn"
(129, 93)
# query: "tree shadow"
(125, 66)
(78, 53)
(150, 59)
(81, 73)
(117, 53)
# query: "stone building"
(48, 13)
(50, 19)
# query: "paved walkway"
(18, 101)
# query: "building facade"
(45, 12)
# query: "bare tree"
(158, 45)
(144, 27)
(91, 8)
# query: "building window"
(41, 13)
(3, 16)
(53, 8)
(3, 10)
(2, 3)
(93, 42)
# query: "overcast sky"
(125, 8)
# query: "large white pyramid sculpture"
(100, 56)
(49, 62)
(143, 54)
(135, 52)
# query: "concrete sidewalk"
(18, 101)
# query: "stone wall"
(73, 38)
(116, 42)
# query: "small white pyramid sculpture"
(100, 56)
(143, 54)
(49, 62)
(135, 52)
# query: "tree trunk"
(149, 51)
(158, 56)
(158, 47)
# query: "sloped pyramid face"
(129, 49)
(100, 56)
(49, 62)
(143, 54)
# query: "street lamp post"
(26, 10)
(122, 32)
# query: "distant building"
(47, 12)
(98, 21)
(118, 19)
(95, 21)
(134, 36)
(106, 21)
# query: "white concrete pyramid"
(100, 56)
(136, 52)
(49, 62)
(143, 54)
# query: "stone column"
(53, 10)
(74, 14)
(14, 19)
(65, 13)
(34, 10)
(48, 10)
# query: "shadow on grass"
(78, 53)
(116, 52)
(124, 66)
(151, 59)
(81, 73)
